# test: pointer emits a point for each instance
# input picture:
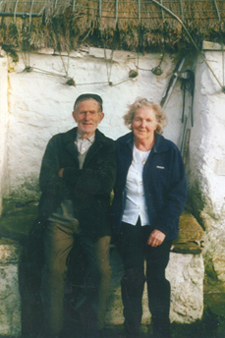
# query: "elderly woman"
(149, 196)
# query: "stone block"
(185, 273)
(10, 302)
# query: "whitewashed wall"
(3, 126)
(207, 159)
(41, 104)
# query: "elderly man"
(77, 175)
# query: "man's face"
(87, 117)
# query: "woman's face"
(144, 124)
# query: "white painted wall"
(207, 159)
(41, 104)
(3, 126)
(208, 134)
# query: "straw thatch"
(129, 24)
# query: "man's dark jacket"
(89, 188)
(164, 183)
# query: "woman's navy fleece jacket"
(164, 182)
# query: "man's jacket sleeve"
(98, 176)
(50, 183)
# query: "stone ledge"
(185, 273)
(10, 301)
(190, 236)
(10, 251)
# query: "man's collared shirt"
(83, 144)
(65, 213)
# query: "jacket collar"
(159, 146)
(130, 140)
(70, 137)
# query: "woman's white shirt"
(135, 197)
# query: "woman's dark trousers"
(134, 250)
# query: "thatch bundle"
(127, 24)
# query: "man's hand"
(60, 172)
(156, 238)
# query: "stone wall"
(10, 301)
(185, 273)
(41, 103)
(207, 161)
(37, 104)
(3, 126)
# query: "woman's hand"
(156, 238)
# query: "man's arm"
(97, 179)
(50, 182)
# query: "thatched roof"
(128, 24)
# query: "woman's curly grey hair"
(144, 103)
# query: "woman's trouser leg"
(58, 242)
(159, 288)
(132, 283)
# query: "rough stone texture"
(216, 303)
(214, 252)
(190, 236)
(3, 124)
(207, 157)
(189, 229)
(10, 302)
(185, 273)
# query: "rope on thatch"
(181, 9)
(220, 24)
(194, 43)
(127, 11)
(100, 8)
(15, 9)
(139, 10)
(74, 4)
(162, 11)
